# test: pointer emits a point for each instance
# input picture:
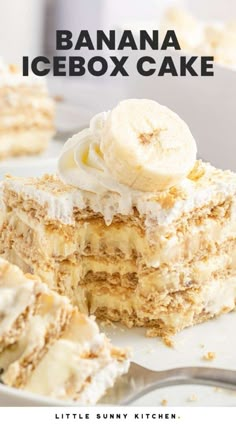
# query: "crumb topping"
(209, 356)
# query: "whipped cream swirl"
(81, 162)
(140, 146)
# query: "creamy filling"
(54, 373)
(213, 299)
(90, 364)
(71, 272)
(32, 341)
(13, 302)
(82, 379)
(95, 278)
(16, 120)
(17, 294)
(27, 140)
(26, 103)
(135, 307)
(124, 240)
(105, 378)
(216, 186)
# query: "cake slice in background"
(48, 347)
(206, 38)
(26, 113)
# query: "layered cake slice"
(20, 298)
(135, 229)
(32, 318)
(48, 347)
(26, 113)
(81, 365)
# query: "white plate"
(68, 119)
(189, 347)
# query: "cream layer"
(27, 141)
(196, 238)
(74, 278)
(160, 278)
(167, 311)
(171, 314)
(79, 378)
(25, 119)
(44, 327)
(206, 187)
(19, 299)
(22, 98)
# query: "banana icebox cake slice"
(133, 228)
(26, 113)
(48, 347)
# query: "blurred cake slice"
(26, 113)
(48, 347)
(209, 38)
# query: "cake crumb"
(218, 390)
(168, 341)
(108, 323)
(152, 333)
(202, 345)
(164, 402)
(209, 356)
(192, 397)
(14, 69)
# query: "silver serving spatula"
(140, 381)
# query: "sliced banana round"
(147, 146)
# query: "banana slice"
(147, 146)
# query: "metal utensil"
(140, 381)
(136, 383)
